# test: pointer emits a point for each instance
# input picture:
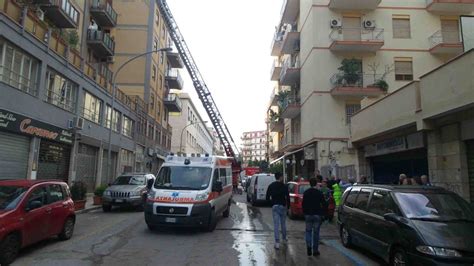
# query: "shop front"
(392, 157)
(470, 167)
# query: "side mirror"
(392, 217)
(217, 186)
(149, 183)
(35, 204)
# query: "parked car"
(296, 190)
(257, 190)
(127, 190)
(33, 210)
(408, 225)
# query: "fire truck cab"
(190, 191)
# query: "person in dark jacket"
(280, 197)
(314, 210)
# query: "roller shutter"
(14, 152)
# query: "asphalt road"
(121, 237)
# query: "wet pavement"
(245, 238)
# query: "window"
(157, 17)
(18, 69)
(362, 199)
(152, 101)
(92, 108)
(150, 131)
(291, 188)
(351, 198)
(112, 116)
(401, 27)
(38, 194)
(55, 193)
(381, 203)
(153, 72)
(223, 176)
(60, 91)
(351, 109)
(155, 43)
(160, 81)
(403, 69)
(127, 126)
(162, 60)
(158, 109)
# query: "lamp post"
(114, 90)
(181, 137)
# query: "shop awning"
(286, 154)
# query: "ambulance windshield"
(183, 177)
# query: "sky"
(230, 43)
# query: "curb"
(88, 209)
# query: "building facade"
(333, 57)
(190, 133)
(151, 78)
(254, 146)
(56, 106)
(431, 132)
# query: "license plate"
(119, 200)
(170, 220)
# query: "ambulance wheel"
(212, 221)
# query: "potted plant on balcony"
(351, 72)
(78, 194)
(282, 98)
(99, 191)
(379, 82)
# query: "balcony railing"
(289, 106)
(290, 71)
(358, 84)
(289, 11)
(103, 13)
(354, 5)
(445, 42)
(61, 12)
(173, 103)
(275, 70)
(174, 79)
(450, 6)
(101, 42)
(357, 39)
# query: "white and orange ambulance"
(190, 191)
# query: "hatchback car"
(127, 190)
(33, 210)
(408, 225)
(296, 190)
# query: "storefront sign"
(21, 124)
(409, 142)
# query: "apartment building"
(333, 57)
(151, 78)
(254, 145)
(55, 82)
(190, 133)
(218, 149)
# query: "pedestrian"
(406, 181)
(314, 210)
(425, 181)
(416, 181)
(401, 179)
(280, 197)
(337, 192)
(363, 180)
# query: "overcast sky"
(230, 42)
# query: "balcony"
(174, 80)
(290, 11)
(277, 43)
(290, 72)
(355, 40)
(173, 103)
(101, 42)
(273, 98)
(354, 5)
(291, 42)
(357, 85)
(60, 12)
(290, 106)
(174, 60)
(450, 6)
(445, 42)
(103, 13)
(104, 77)
(275, 71)
(277, 125)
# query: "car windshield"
(130, 180)
(303, 188)
(435, 206)
(10, 196)
(183, 177)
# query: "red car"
(297, 190)
(33, 210)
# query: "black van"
(408, 225)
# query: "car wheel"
(151, 227)
(399, 257)
(254, 200)
(9, 248)
(68, 229)
(226, 213)
(106, 208)
(212, 221)
(345, 237)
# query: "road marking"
(335, 244)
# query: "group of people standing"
(415, 180)
(314, 209)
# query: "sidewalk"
(89, 204)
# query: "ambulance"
(190, 191)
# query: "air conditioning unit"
(40, 14)
(369, 24)
(336, 23)
(77, 123)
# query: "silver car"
(127, 190)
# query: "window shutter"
(401, 28)
(403, 68)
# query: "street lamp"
(114, 90)
(181, 137)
